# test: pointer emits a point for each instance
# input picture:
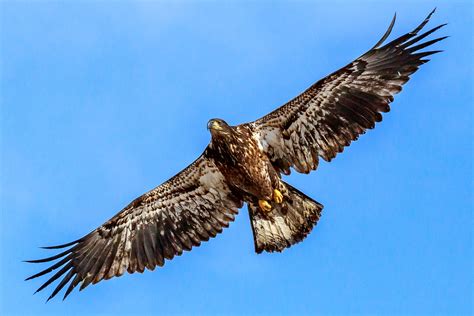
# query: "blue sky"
(102, 101)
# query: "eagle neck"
(225, 148)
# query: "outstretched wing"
(181, 213)
(337, 109)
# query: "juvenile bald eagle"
(244, 164)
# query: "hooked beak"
(214, 125)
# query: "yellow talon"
(264, 205)
(277, 196)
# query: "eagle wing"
(190, 208)
(334, 111)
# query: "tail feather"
(287, 223)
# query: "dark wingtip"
(425, 44)
(65, 264)
(422, 36)
(37, 261)
(387, 32)
(425, 21)
(57, 256)
(431, 13)
(62, 246)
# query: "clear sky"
(102, 101)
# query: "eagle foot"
(277, 196)
(264, 206)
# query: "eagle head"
(218, 127)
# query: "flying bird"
(245, 164)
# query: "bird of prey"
(245, 164)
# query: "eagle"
(244, 164)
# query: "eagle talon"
(264, 206)
(277, 196)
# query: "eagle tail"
(287, 223)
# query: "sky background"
(102, 101)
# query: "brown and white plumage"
(334, 111)
(192, 207)
(244, 164)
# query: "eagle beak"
(214, 125)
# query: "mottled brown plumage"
(243, 164)
(245, 167)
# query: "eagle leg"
(277, 196)
(264, 206)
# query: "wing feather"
(192, 207)
(334, 111)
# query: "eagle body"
(239, 157)
(244, 164)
